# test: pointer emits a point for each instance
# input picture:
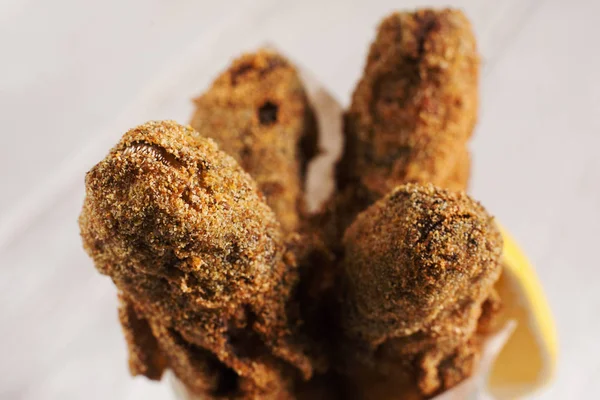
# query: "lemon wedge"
(527, 362)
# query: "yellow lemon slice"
(528, 360)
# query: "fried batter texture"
(414, 320)
(225, 279)
(412, 112)
(418, 266)
(200, 260)
(257, 112)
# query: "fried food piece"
(418, 266)
(414, 108)
(145, 357)
(257, 112)
(188, 240)
(410, 119)
(411, 115)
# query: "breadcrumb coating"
(258, 112)
(415, 106)
(223, 277)
(418, 266)
(186, 236)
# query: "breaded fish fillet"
(186, 236)
(418, 266)
(257, 112)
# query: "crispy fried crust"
(257, 111)
(220, 280)
(145, 356)
(418, 266)
(185, 234)
(411, 114)
(416, 104)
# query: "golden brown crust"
(145, 357)
(489, 321)
(416, 235)
(245, 301)
(257, 111)
(411, 115)
(415, 106)
(418, 265)
(183, 231)
(410, 118)
(190, 211)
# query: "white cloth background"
(70, 72)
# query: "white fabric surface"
(74, 75)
